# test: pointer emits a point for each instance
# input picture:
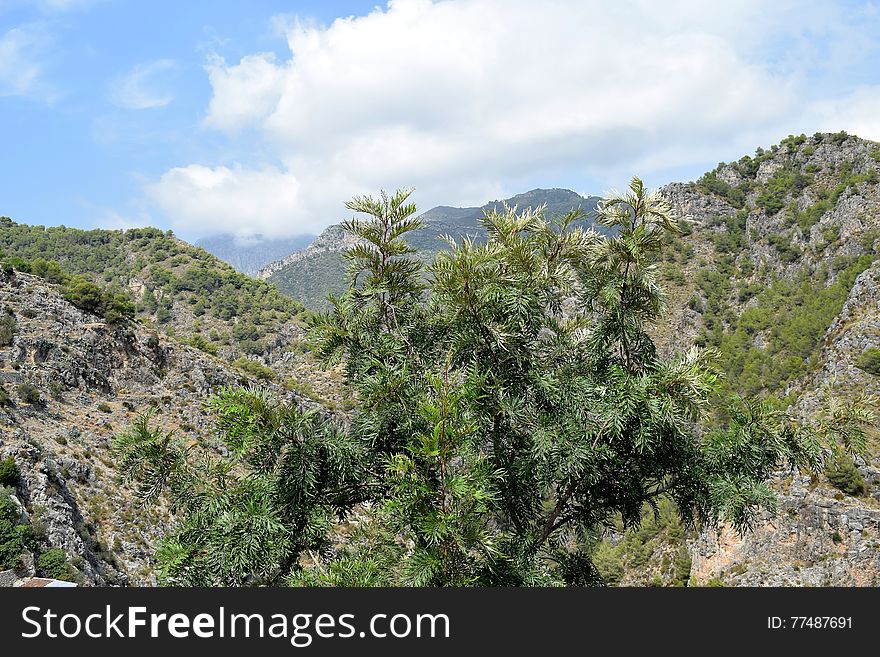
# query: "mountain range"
(311, 274)
(250, 255)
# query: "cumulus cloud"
(139, 87)
(461, 98)
(237, 199)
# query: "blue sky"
(265, 116)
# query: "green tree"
(9, 472)
(510, 405)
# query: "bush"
(28, 393)
(255, 369)
(114, 307)
(7, 328)
(9, 472)
(56, 389)
(869, 361)
(104, 407)
(16, 537)
(4, 397)
(53, 564)
(845, 477)
(200, 343)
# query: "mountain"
(778, 270)
(252, 254)
(180, 290)
(311, 274)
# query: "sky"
(264, 117)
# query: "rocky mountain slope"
(183, 292)
(311, 274)
(778, 270)
(252, 254)
(68, 382)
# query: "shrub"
(845, 477)
(53, 564)
(254, 369)
(104, 407)
(200, 343)
(28, 393)
(16, 537)
(56, 389)
(869, 361)
(4, 397)
(7, 328)
(114, 307)
(9, 472)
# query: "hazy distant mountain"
(250, 255)
(314, 272)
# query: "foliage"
(244, 520)
(790, 315)
(199, 342)
(869, 361)
(8, 327)
(16, 537)
(254, 369)
(781, 184)
(9, 472)
(28, 393)
(511, 407)
(660, 528)
(845, 476)
(112, 305)
(53, 563)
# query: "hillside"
(778, 271)
(180, 290)
(311, 274)
(252, 254)
(68, 382)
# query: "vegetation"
(791, 316)
(53, 564)
(254, 369)
(16, 537)
(661, 528)
(9, 472)
(28, 393)
(8, 327)
(496, 437)
(113, 306)
(845, 477)
(96, 266)
(869, 361)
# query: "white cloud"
(112, 220)
(858, 113)
(244, 92)
(205, 200)
(19, 70)
(138, 88)
(460, 98)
